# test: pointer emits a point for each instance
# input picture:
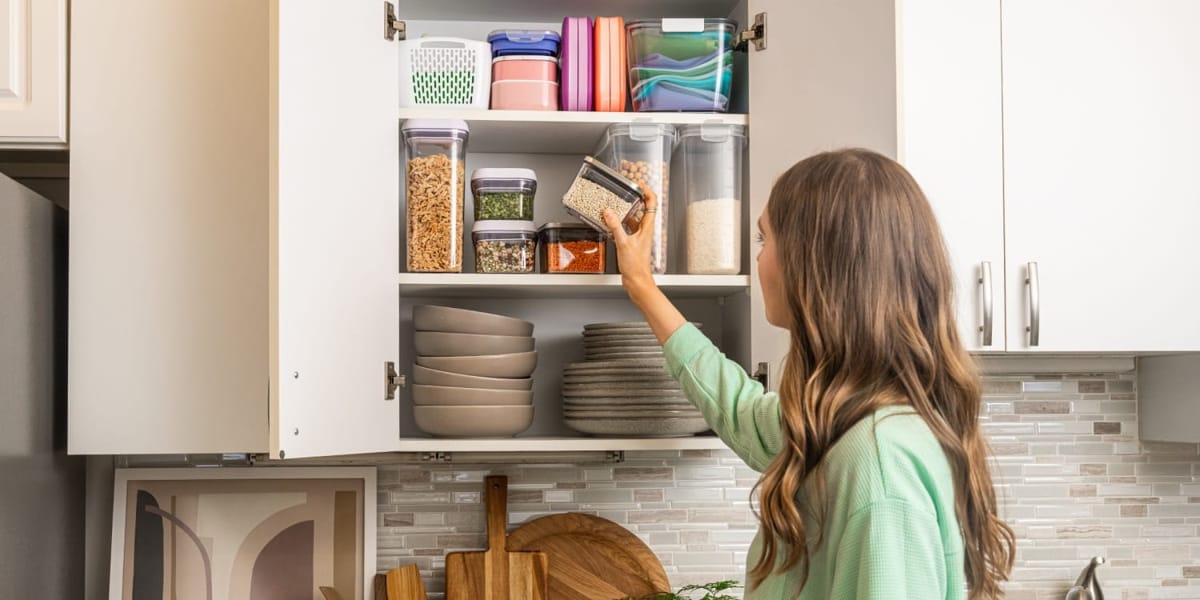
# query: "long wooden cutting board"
(592, 558)
(496, 574)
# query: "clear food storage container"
(504, 246)
(503, 194)
(572, 248)
(681, 64)
(711, 159)
(435, 151)
(507, 42)
(596, 188)
(641, 152)
(445, 71)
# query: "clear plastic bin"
(681, 64)
(711, 159)
(435, 151)
(503, 194)
(641, 152)
(598, 187)
(572, 248)
(504, 246)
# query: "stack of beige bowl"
(622, 389)
(472, 377)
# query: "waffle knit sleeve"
(734, 404)
(889, 549)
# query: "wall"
(1074, 479)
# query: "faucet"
(1087, 587)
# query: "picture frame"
(235, 533)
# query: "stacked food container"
(524, 69)
(681, 64)
(710, 156)
(504, 235)
(472, 377)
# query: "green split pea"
(494, 206)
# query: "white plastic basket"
(445, 71)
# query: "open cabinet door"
(335, 228)
(825, 80)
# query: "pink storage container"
(576, 61)
(517, 94)
(524, 68)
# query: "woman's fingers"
(651, 202)
(614, 224)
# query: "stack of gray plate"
(472, 377)
(622, 388)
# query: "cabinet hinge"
(392, 380)
(393, 28)
(615, 456)
(442, 457)
(762, 373)
(757, 34)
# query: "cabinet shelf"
(559, 444)
(542, 285)
(552, 132)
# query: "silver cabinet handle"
(985, 281)
(1035, 324)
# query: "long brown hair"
(870, 297)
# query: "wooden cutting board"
(496, 574)
(405, 584)
(592, 558)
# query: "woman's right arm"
(737, 408)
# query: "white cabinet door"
(950, 140)
(335, 228)
(168, 297)
(825, 81)
(33, 73)
(1100, 133)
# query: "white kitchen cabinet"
(33, 74)
(236, 284)
(1100, 147)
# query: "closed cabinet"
(1100, 152)
(33, 74)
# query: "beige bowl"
(520, 364)
(426, 376)
(473, 421)
(437, 395)
(427, 317)
(437, 343)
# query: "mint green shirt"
(890, 529)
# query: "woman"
(874, 469)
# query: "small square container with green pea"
(503, 194)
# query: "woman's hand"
(633, 256)
(633, 249)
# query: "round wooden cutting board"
(591, 558)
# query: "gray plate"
(622, 344)
(603, 392)
(626, 400)
(621, 414)
(621, 355)
(616, 364)
(623, 385)
(620, 377)
(637, 407)
(639, 427)
(624, 325)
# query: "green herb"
(712, 591)
(492, 206)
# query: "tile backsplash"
(1073, 478)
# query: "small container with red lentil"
(572, 248)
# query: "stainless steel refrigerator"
(41, 488)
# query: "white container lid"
(497, 173)
(435, 125)
(504, 227)
(713, 132)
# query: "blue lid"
(526, 36)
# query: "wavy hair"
(870, 296)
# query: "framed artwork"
(258, 533)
